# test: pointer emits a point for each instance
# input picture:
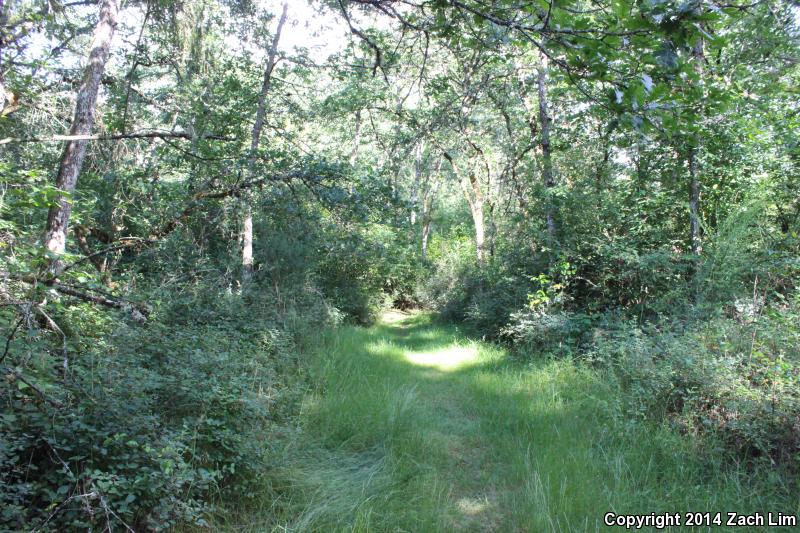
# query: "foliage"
(155, 423)
(610, 184)
(732, 378)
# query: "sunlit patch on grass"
(472, 506)
(394, 316)
(446, 359)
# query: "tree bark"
(695, 234)
(55, 239)
(356, 140)
(474, 196)
(547, 162)
(427, 209)
(602, 168)
(694, 204)
(492, 233)
(415, 187)
(247, 225)
(427, 220)
(475, 201)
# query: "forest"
(399, 265)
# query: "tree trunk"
(247, 243)
(247, 225)
(356, 140)
(695, 234)
(547, 162)
(475, 200)
(427, 220)
(474, 196)
(492, 233)
(694, 204)
(602, 168)
(427, 208)
(417, 184)
(55, 238)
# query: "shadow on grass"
(416, 426)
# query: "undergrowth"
(150, 425)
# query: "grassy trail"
(414, 427)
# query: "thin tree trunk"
(427, 220)
(475, 201)
(247, 243)
(247, 226)
(55, 238)
(602, 168)
(132, 71)
(492, 233)
(427, 209)
(356, 140)
(694, 204)
(694, 179)
(417, 183)
(474, 196)
(547, 162)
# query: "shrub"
(547, 331)
(151, 423)
(731, 377)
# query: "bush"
(362, 273)
(483, 297)
(152, 423)
(547, 331)
(734, 378)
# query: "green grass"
(412, 426)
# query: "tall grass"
(397, 437)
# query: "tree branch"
(113, 137)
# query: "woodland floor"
(414, 426)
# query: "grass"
(413, 426)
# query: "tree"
(55, 238)
(547, 159)
(258, 126)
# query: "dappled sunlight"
(394, 315)
(472, 506)
(446, 359)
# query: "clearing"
(413, 426)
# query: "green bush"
(734, 378)
(364, 272)
(483, 297)
(152, 422)
(547, 331)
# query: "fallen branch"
(11, 337)
(138, 311)
(211, 195)
(12, 374)
(57, 329)
(125, 242)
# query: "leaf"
(666, 57)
